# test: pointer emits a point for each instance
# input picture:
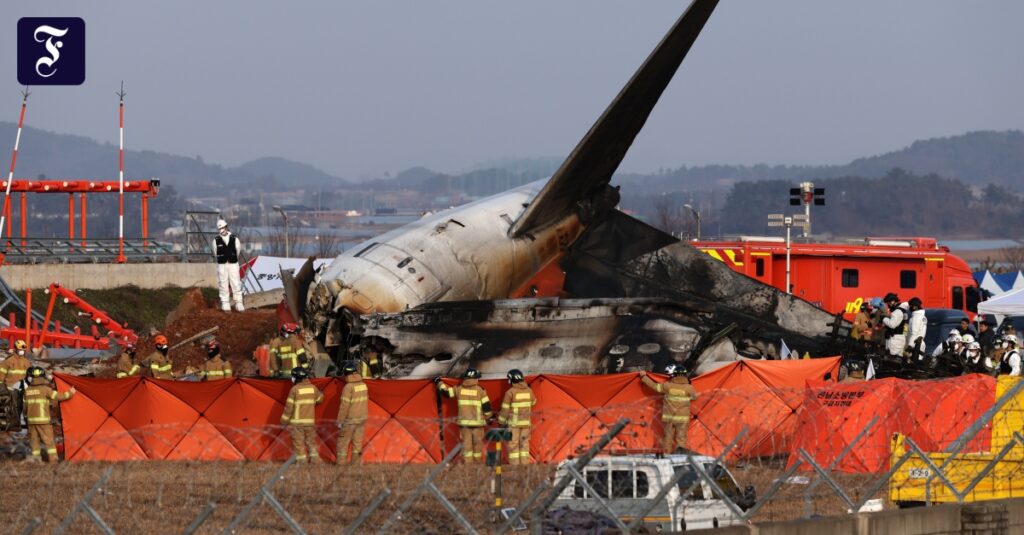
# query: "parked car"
(627, 484)
(940, 322)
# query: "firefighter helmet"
(160, 341)
(678, 370)
(515, 376)
(212, 348)
(35, 372)
(954, 337)
(20, 345)
(1009, 340)
(471, 373)
(349, 368)
(299, 374)
(289, 328)
(967, 339)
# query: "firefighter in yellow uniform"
(126, 365)
(369, 362)
(352, 413)
(158, 361)
(285, 350)
(300, 416)
(215, 367)
(675, 413)
(474, 410)
(38, 398)
(515, 414)
(15, 367)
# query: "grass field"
(164, 497)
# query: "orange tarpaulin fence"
(237, 419)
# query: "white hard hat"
(954, 336)
(974, 346)
(221, 224)
(968, 339)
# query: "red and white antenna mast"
(120, 187)
(14, 158)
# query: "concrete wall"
(981, 518)
(105, 276)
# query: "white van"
(627, 484)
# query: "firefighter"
(975, 360)
(515, 414)
(215, 367)
(38, 398)
(862, 323)
(300, 416)
(675, 413)
(1011, 361)
(158, 361)
(286, 350)
(352, 413)
(474, 411)
(126, 365)
(369, 362)
(15, 367)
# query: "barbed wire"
(812, 451)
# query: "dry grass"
(164, 497)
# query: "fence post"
(83, 505)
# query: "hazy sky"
(362, 87)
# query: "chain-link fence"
(841, 448)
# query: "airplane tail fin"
(586, 173)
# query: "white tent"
(1008, 304)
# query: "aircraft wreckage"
(433, 297)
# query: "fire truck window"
(759, 267)
(958, 297)
(851, 278)
(973, 298)
(908, 278)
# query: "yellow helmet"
(20, 345)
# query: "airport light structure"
(807, 195)
(782, 220)
(287, 246)
(696, 216)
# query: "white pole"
(789, 227)
(120, 173)
(14, 159)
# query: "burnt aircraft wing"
(596, 267)
(584, 176)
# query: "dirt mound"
(239, 333)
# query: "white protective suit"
(1012, 359)
(896, 343)
(229, 279)
(917, 326)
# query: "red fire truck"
(839, 277)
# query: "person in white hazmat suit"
(229, 282)
(917, 328)
(895, 325)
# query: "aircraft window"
(759, 267)
(851, 278)
(405, 262)
(648, 348)
(619, 349)
(908, 278)
(688, 479)
(551, 352)
(367, 248)
(958, 297)
(584, 351)
(973, 298)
